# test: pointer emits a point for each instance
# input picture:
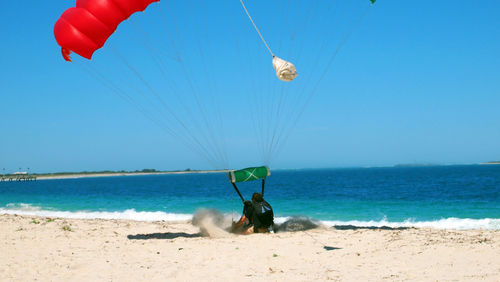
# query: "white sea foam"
(445, 223)
(131, 214)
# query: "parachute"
(284, 70)
(171, 72)
(85, 28)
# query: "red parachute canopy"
(85, 28)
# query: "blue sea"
(452, 197)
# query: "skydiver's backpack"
(263, 214)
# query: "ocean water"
(457, 197)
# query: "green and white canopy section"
(249, 174)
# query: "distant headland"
(415, 165)
(491, 163)
(106, 173)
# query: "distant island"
(491, 163)
(415, 165)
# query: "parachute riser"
(238, 191)
(263, 184)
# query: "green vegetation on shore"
(146, 170)
(90, 173)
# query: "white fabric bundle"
(284, 70)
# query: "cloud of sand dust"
(212, 223)
(297, 223)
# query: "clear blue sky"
(417, 82)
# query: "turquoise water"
(443, 196)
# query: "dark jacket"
(260, 214)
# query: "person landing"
(257, 217)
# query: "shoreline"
(27, 210)
(90, 175)
(41, 248)
(111, 174)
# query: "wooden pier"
(17, 177)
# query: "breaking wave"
(444, 223)
(131, 214)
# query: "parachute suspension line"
(337, 50)
(169, 35)
(302, 92)
(274, 102)
(276, 125)
(151, 103)
(217, 103)
(276, 113)
(216, 145)
(266, 100)
(212, 89)
(148, 86)
(273, 105)
(280, 128)
(146, 43)
(252, 97)
(115, 89)
(330, 62)
(280, 139)
(159, 64)
(284, 14)
(256, 28)
(189, 143)
(180, 61)
(303, 26)
(270, 119)
(202, 109)
(269, 97)
(122, 94)
(282, 101)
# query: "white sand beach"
(37, 248)
(83, 175)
